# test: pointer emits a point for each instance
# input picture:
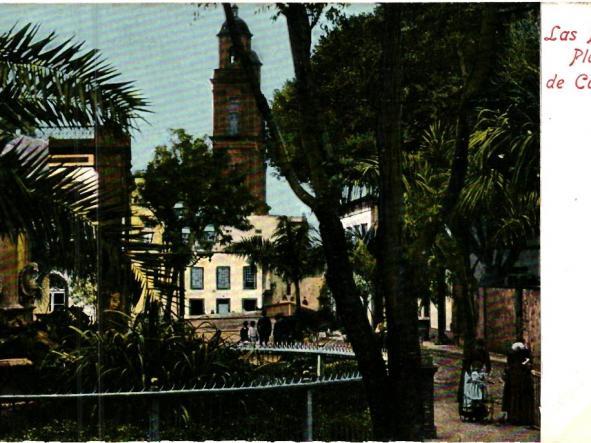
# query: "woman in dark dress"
(518, 392)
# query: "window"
(196, 306)
(222, 306)
(58, 301)
(148, 237)
(249, 304)
(233, 123)
(196, 278)
(249, 277)
(233, 116)
(222, 277)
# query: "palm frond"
(43, 82)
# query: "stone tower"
(237, 123)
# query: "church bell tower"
(237, 123)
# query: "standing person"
(278, 334)
(244, 333)
(252, 332)
(518, 392)
(264, 328)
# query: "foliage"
(43, 82)
(189, 186)
(54, 207)
(501, 196)
(293, 252)
(47, 83)
(464, 44)
(82, 291)
(133, 356)
(296, 250)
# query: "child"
(252, 332)
(475, 391)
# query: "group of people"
(285, 330)
(257, 332)
(518, 391)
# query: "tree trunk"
(298, 298)
(396, 277)
(426, 301)
(181, 307)
(468, 309)
(339, 277)
(168, 307)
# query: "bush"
(138, 354)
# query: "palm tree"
(60, 85)
(295, 252)
(44, 83)
(259, 251)
(292, 253)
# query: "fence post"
(154, 434)
(319, 366)
(427, 373)
(309, 424)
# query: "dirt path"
(447, 420)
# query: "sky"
(170, 51)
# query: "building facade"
(227, 283)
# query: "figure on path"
(279, 330)
(478, 360)
(264, 328)
(518, 392)
(244, 333)
(252, 332)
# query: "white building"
(227, 283)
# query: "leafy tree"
(296, 254)
(194, 195)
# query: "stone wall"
(497, 319)
(532, 332)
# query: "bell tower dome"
(237, 123)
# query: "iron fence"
(307, 407)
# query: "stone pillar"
(113, 165)
(13, 258)
(428, 371)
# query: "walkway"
(447, 420)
